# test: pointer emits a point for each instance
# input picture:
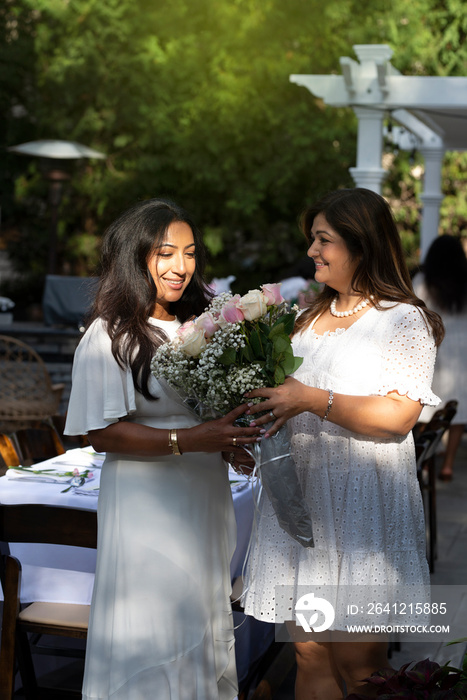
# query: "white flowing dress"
(449, 379)
(363, 493)
(161, 623)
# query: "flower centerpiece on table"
(238, 344)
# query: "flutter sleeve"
(102, 392)
(409, 356)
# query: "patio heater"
(51, 152)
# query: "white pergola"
(432, 112)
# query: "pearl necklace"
(355, 310)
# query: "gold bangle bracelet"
(173, 442)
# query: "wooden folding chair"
(446, 413)
(427, 438)
(38, 524)
(38, 444)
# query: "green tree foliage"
(191, 99)
(17, 91)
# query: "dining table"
(55, 573)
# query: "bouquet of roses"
(238, 344)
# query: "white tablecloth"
(65, 574)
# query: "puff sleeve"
(102, 392)
(409, 356)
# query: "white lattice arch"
(431, 110)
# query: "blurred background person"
(442, 284)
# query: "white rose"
(253, 305)
(192, 343)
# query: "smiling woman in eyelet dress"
(369, 348)
(160, 624)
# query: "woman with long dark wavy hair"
(160, 624)
(442, 284)
(369, 347)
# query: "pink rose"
(193, 342)
(231, 312)
(185, 329)
(207, 322)
(272, 294)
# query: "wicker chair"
(27, 396)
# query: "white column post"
(368, 172)
(431, 197)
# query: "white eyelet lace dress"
(363, 493)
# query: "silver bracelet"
(328, 409)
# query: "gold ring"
(234, 442)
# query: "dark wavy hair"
(445, 271)
(127, 294)
(365, 221)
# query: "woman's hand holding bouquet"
(241, 343)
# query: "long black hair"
(126, 294)
(365, 221)
(445, 271)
